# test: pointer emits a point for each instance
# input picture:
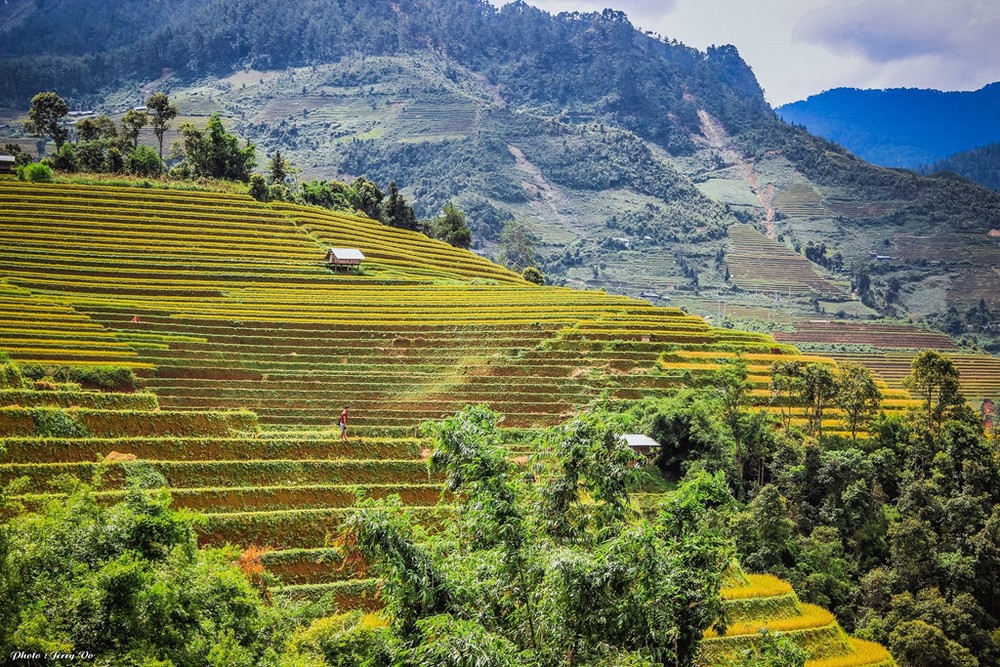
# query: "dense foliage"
(896, 533)
(127, 585)
(551, 566)
(981, 165)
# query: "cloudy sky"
(801, 47)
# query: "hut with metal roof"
(346, 258)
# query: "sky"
(799, 48)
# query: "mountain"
(981, 165)
(642, 165)
(900, 127)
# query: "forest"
(554, 561)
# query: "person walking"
(343, 425)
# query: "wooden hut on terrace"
(641, 444)
(7, 164)
(346, 258)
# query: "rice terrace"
(438, 333)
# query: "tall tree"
(278, 170)
(817, 389)
(396, 212)
(366, 197)
(45, 118)
(451, 227)
(161, 113)
(215, 153)
(92, 129)
(132, 122)
(857, 395)
(933, 379)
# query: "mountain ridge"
(633, 158)
(900, 127)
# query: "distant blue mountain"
(901, 127)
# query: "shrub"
(10, 374)
(533, 275)
(105, 378)
(143, 161)
(258, 188)
(35, 172)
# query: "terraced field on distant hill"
(889, 349)
(221, 303)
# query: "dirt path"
(544, 196)
(715, 136)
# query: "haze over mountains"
(643, 165)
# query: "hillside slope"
(981, 165)
(643, 165)
(220, 302)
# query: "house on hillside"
(641, 444)
(7, 164)
(344, 258)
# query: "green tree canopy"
(161, 112)
(451, 227)
(933, 379)
(45, 118)
(395, 212)
(214, 153)
(132, 122)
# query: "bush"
(258, 188)
(10, 374)
(105, 378)
(533, 275)
(35, 172)
(143, 161)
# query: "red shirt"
(343, 417)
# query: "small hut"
(7, 164)
(642, 445)
(346, 258)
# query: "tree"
(560, 571)
(45, 118)
(517, 245)
(817, 388)
(278, 171)
(143, 161)
(395, 212)
(132, 122)
(258, 188)
(919, 644)
(333, 195)
(214, 153)
(127, 583)
(533, 275)
(161, 113)
(366, 197)
(933, 379)
(21, 157)
(92, 129)
(857, 395)
(451, 227)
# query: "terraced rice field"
(222, 306)
(887, 336)
(800, 201)
(756, 602)
(760, 264)
(979, 375)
